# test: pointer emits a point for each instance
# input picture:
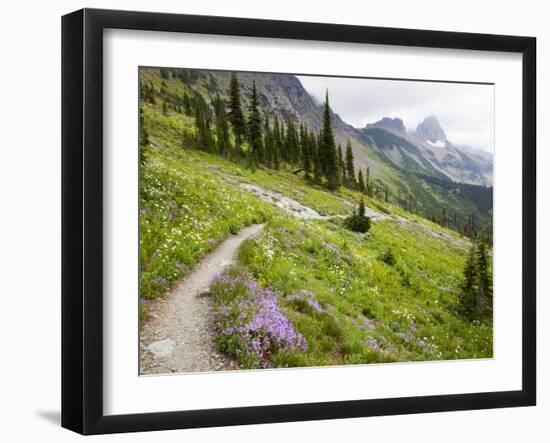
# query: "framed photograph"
(269, 221)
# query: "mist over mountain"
(483, 158)
(427, 151)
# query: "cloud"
(465, 111)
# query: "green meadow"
(389, 295)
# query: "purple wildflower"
(182, 267)
(307, 297)
(373, 344)
(253, 324)
(161, 281)
(224, 311)
(369, 324)
(332, 247)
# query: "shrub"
(331, 327)
(369, 312)
(388, 257)
(358, 221)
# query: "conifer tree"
(276, 144)
(305, 143)
(316, 160)
(199, 131)
(361, 210)
(143, 92)
(484, 299)
(282, 144)
(222, 130)
(358, 221)
(410, 203)
(470, 228)
(236, 116)
(342, 166)
(209, 135)
(268, 143)
(360, 182)
(255, 129)
(143, 136)
(368, 183)
(443, 221)
(350, 168)
(327, 149)
(149, 93)
(187, 109)
(468, 291)
(203, 134)
(291, 144)
(476, 296)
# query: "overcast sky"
(465, 111)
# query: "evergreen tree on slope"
(327, 150)
(236, 116)
(255, 129)
(350, 168)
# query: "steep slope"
(391, 124)
(426, 151)
(398, 161)
(333, 289)
(431, 131)
(484, 160)
(283, 96)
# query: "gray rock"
(162, 349)
(391, 123)
(430, 130)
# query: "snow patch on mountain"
(437, 143)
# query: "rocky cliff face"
(284, 96)
(394, 124)
(427, 151)
(430, 130)
(382, 145)
(401, 161)
(483, 159)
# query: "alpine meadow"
(293, 221)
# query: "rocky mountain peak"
(390, 123)
(430, 129)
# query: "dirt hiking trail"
(179, 334)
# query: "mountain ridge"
(427, 150)
(283, 96)
(430, 130)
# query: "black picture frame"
(82, 219)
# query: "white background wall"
(30, 218)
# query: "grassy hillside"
(305, 292)
(284, 97)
